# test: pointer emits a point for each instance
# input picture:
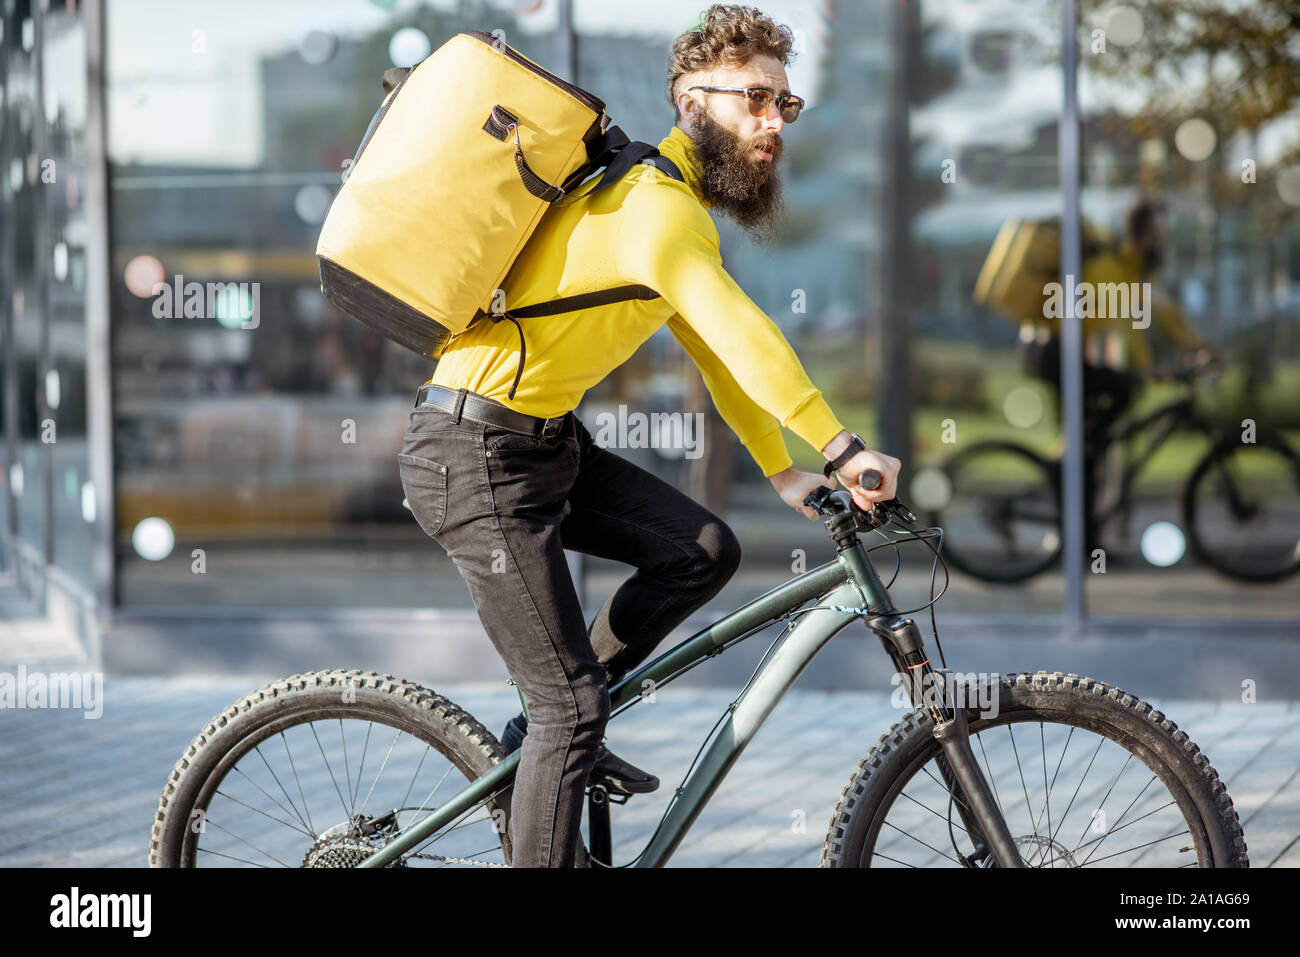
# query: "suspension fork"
(979, 811)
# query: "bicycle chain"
(456, 860)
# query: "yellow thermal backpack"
(1025, 257)
(466, 153)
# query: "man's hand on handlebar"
(886, 465)
(793, 485)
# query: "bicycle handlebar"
(870, 479)
(820, 498)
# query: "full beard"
(743, 186)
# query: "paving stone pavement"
(77, 792)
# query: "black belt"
(462, 403)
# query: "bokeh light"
(234, 306)
(142, 274)
(931, 489)
(1163, 544)
(408, 46)
(1123, 25)
(312, 202)
(1195, 139)
(1288, 185)
(1023, 407)
(318, 46)
(153, 539)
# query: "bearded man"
(499, 471)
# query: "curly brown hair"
(728, 34)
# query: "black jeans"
(1107, 392)
(504, 506)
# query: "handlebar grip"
(870, 479)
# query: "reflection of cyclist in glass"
(1109, 392)
(1026, 256)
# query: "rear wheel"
(1084, 774)
(321, 770)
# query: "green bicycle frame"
(849, 580)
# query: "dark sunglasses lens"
(790, 111)
(760, 101)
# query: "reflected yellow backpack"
(1025, 256)
(466, 153)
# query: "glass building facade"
(159, 464)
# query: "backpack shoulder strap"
(617, 164)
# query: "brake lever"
(881, 513)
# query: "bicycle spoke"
(460, 822)
(988, 774)
(1102, 805)
(305, 824)
(1024, 787)
(1052, 837)
(296, 827)
(230, 857)
(396, 737)
(894, 859)
(922, 843)
(942, 817)
(1140, 846)
(423, 755)
(312, 726)
(425, 803)
(1047, 793)
(945, 788)
(1098, 840)
(365, 745)
(347, 770)
(213, 823)
(1118, 826)
(1055, 773)
(306, 810)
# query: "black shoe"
(610, 771)
(513, 735)
(619, 777)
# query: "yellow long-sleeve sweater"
(649, 229)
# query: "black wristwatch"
(855, 446)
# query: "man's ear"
(689, 107)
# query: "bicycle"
(920, 797)
(1240, 503)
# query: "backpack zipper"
(579, 94)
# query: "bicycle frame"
(1176, 413)
(851, 581)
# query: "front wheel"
(1242, 509)
(1084, 774)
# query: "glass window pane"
(256, 441)
(1190, 194)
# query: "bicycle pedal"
(613, 797)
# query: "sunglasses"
(760, 100)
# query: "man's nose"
(772, 119)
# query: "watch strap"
(855, 446)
